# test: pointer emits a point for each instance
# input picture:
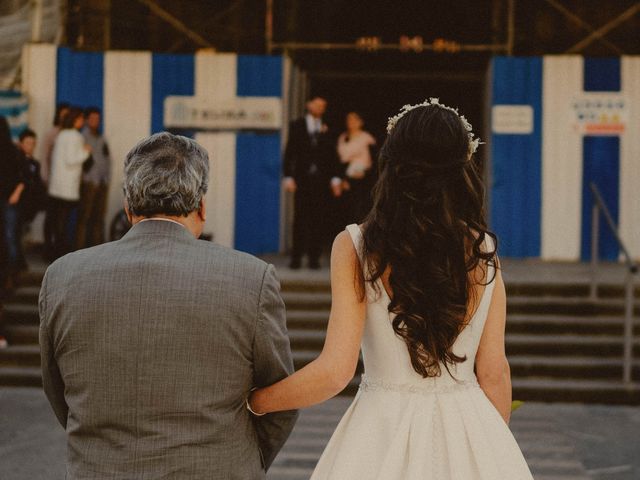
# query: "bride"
(419, 289)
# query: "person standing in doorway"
(95, 185)
(311, 172)
(355, 147)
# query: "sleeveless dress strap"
(356, 238)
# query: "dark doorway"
(377, 97)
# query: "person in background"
(49, 141)
(355, 152)
(95, 185)
(34, 196)
(69, 153)
(311, 171)
(11, 189)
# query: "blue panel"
(13, 105)
(259, 76)
(257, 216)
(601, 157)
(516, 160)
(80, 78)
(171, 75)
(601, 74)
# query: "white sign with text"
(512, 119)
(241, 113)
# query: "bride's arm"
(330, 373)
(492, 367)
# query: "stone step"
(516, 344)
(560, 324)
(516, 323)
(20, 356)
(528, 289)
(547, 305)
(587, 391)
(567, 345)
(567, 306)
(569, 367)
(21, 334)
(20, 376)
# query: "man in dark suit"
(311, 171)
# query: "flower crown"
(473, 142)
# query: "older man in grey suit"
(151, 344)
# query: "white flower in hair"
(473, 142)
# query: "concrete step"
(587, 391)
(560, 324)
(578, 367)
(21, 334)
(20, 314)
(526, 289)
(567, 345)
(547, 305)
(20, 377)
(26, 294)
(20, 356)
(572, 306)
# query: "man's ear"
(202, 211)
(127, 212)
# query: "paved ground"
(560, 441)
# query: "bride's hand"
(252, 404)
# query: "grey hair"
(165, 174)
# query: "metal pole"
(510, 27)
(628, 328)
(595, 231)
(268, 27)
(595, 227)
(36, 23)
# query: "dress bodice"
(386, 357)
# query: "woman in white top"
(355, 150)
(69, 153)
(418, 287)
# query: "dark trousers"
(358, 199)
(310, 205)
(61, 215)
(93, 206)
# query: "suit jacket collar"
(160, 228)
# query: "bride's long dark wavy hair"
(428, 227)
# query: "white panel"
(216, 78)
(561, 159)
(221, 197)
(630, 157)
(39, 62)
(216, 75)
(127, 112)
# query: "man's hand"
(289, 184)
(17, 193)
(336, 189)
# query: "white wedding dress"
(402, 426)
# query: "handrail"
(632, 270)
(633, 267)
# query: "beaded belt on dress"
(372, 385)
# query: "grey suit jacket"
(150, 346)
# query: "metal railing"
(632, 269)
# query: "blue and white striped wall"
(540, 202)
(14, 107)
(130, 87)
